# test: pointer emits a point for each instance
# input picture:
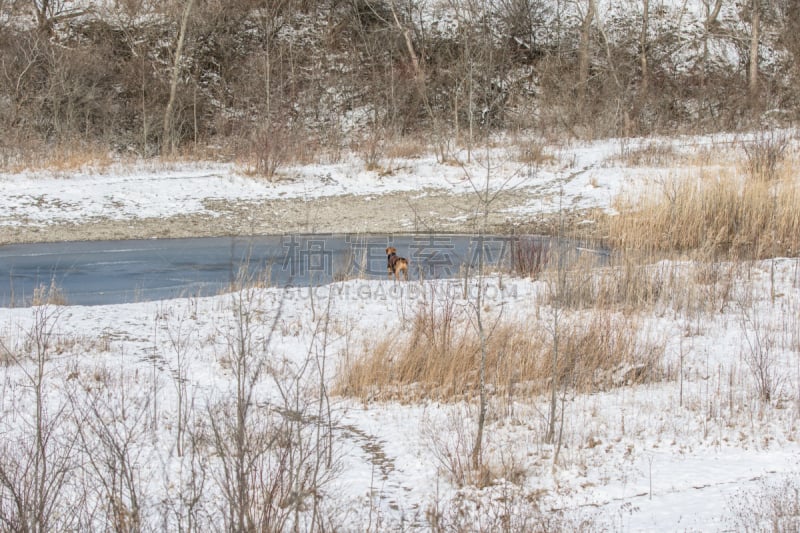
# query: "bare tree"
(240, 440)
(230, 72)
(186, 507)
(167, 140)
(112, 420)
(643, 45)
(421, 84)
(8, 10)
(486, 196)
(36, 466)
(710, 22)
(755, 38)
(584, 51)
(21, 73)
(139, 36)
(557, 290)
(180, 334)
(307, 421)
(50, 12)
(758, 352)
(274, 455)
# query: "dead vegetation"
(439, 356)
(716, 214)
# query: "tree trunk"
(710, 22)
(643, 48)
(583, 53)
(485, 198)
(412, 54)
(43, 16)
(755, 19)
(167, 144)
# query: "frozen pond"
(112, 272)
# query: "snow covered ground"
(680, 453)
(578, 176)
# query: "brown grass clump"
(531, 256)
(534, 153)
(406, 147)
(652, 154)
(765, 155)
(60, 158)
(756, 219)
(440, 357)
(380, 150)
(48, 295)
(773, 505)
(666, 153)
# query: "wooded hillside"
(269, 77)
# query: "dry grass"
(765, 155)
(533, 153)
(59, 159)
(629, 287)
(651, 154)
(634, 284)
(664, 153)
(270, 150)
(440, 357)
(770, 506)
(406, 147)
(380, 150)
(754, 219)
(722, 154)
(62, 159)
(531, 256)
(48, 295)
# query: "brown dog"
(396, 264)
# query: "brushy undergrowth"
(768, 507)
(635, 284)
(58, 158)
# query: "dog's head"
(391, 250)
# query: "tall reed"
(439, 357)
(749, 220)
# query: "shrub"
(772, 506)
(765, 154)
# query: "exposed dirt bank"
(428, 210)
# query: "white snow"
(665, 456)
(584, 175)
